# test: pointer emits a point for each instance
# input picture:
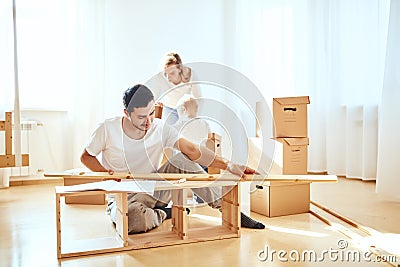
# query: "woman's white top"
(169, 93)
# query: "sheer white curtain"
(61, 62)
(332, 51)
(7, 58)
(389, 142)
(44, 52)
(355, 47)
(88, 103)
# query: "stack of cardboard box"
(286, 198)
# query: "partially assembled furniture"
(180, 232)
(8, 160)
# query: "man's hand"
(240, 170)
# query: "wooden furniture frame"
(180, 232)
(8, 160)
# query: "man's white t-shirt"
(121, 153)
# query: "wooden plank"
(143, 241)
(166, 238)
(2, 125)
(203, 177)
(8, 129)
(9, 160)
(231, 208)
(122, 217)
(92, 247)
(58, 226)
(179, 216)
(160, 185)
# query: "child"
(189, 126)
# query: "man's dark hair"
(137, 96)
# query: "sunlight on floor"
(206, 217)
(296, 231)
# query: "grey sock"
(248, 222)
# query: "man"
(135, 143)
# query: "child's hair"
(186, 103)
(191, 102)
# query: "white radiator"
(28, 129)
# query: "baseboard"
(318, 173)
(31, 180)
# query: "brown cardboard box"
(295, 155)
(92, 199)
(290, 116)
(281, 198)
(259, 161)
(286, 198)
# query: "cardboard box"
(295, 155)
(92, 199)
(290, 116)
(281, 198)
(258, 160)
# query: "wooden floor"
(28, 238)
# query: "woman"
(179, 83)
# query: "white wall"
(138, 33)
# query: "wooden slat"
(231, 208)
(122, 217)
(2, 126)
(9, 160)
(179, 217)
(143, 241)
(8, 129)
(200, 177)
(58, 225)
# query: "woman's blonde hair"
(174, 59)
